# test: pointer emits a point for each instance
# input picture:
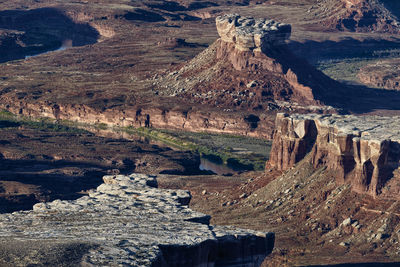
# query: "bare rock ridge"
(127, 221)
(363, 151)
(258, 45)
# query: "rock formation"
(127, 221)
(246, 42)
(248, 33)
(249, 66)
(363, 151)
(258, 45)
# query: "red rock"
(362, 151)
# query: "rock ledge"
(361, 150)
(127, 221)
(248, 33)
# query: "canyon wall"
(128, 221)
(363, 151)
(228, 122)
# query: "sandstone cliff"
(363, 151)
(127, 221)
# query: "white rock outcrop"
(248, 33)
(127, 221)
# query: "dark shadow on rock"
(393, 6)
(348, 98)
(202, 4)
(47, 180)
(172, 6)
(347, 48)
(144, 15)
(167, 6)
(324, 89)
(37, 31)
(371, 264)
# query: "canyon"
(260, 69)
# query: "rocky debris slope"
(355, 15)
(383, 74)
(362, 151)
(126, 221)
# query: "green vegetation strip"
(237, 151)
(8, 119)
(247, 153)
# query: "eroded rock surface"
(363, 151)
(248, 33)
(127, 221)
(257, 46)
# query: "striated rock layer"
(126, 221)
(363, 151)
(176, 118)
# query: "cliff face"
(128, 221)
(176, 119)
(362, 151)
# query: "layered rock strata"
(127, 221)
(175, 119)
(363, 151)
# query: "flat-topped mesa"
(250, 34)
(363, 151)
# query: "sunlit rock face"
(127, 221)
(363, 151)
(248, 33)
